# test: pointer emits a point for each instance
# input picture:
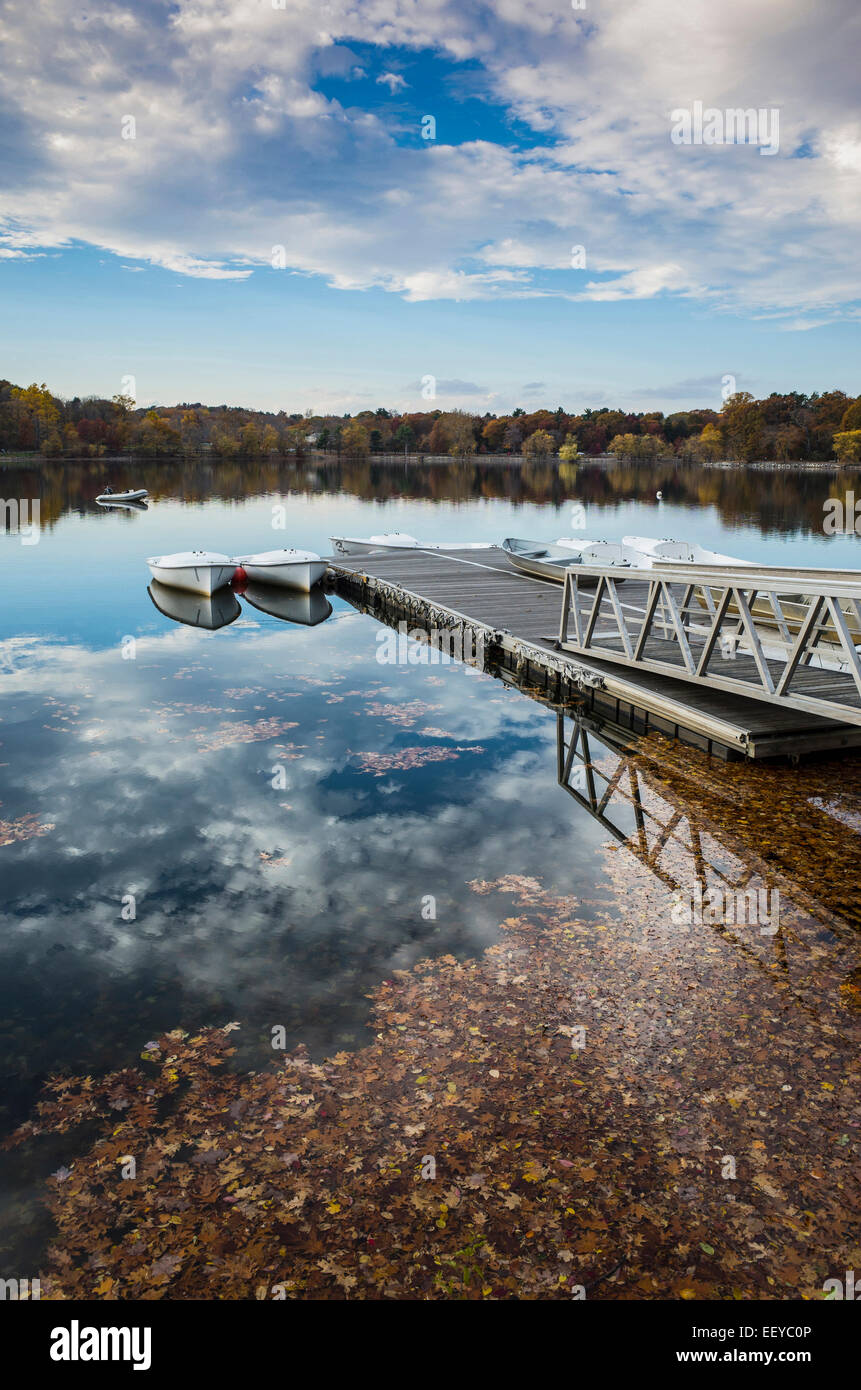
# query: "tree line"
(792, 427)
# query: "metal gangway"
(787, 636)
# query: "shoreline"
(430, 460)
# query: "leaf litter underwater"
(586, 1097)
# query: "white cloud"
(393, 81)
(642, 283)
(235, 149)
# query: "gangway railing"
(787, 636)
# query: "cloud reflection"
(273, 904)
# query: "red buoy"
(240, 578)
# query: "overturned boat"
(399, 540)
(685, 552)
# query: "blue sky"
(296, 134)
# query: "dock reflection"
(723, 858)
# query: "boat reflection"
(195, 610)
(123, 506)
(289, 605)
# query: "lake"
(262, 823)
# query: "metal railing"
(786, 636)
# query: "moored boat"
(134, 495)
(196, 610)
(685, 552)
(288, 569)
(551, 561)
(601, 552)
(399, 540)
(794, 610)
(197, 571)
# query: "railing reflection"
(707, 851)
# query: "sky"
(296, 205)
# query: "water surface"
(263, 822)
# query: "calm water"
(293, 819)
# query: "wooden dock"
(513, 621)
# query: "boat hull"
(297, 574)
(203, 579)
(343, 545)
(372, 545)
(553, 562)
(538, 568)
(669, 551)
(115, 497)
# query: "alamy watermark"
(699, 125)
(843, 1288)
(420, 647)
(842, 515)
(21, 518)
(729, 907)
(77, 1343)
(17, 1290)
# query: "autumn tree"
(709, 446)
(847, 446)
(71, 439)
(493, 435)
(788, 442)
(40, 409)
(355, 440)
(189, 429)
(851, 419)
(249, 438)
(636, 446)
(155, 435)
(540, 444)
(741, 421)
(461, 434)
(452, 433)
(513, 437)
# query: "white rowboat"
(197, 571)
(552, 561)
(114, 497)
(289, 569)
(686, 552)
(398, 540)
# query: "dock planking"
(517, 619)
